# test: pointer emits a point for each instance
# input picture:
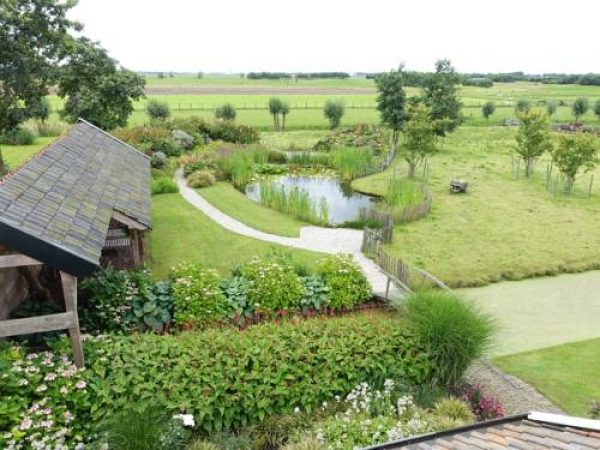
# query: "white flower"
(187, 419)
(296, 410)
(41, 388)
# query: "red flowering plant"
(484, 406)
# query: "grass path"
(542, 312)
(235, 204)
(566, 374)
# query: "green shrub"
(228, 379)
(373, 137)
(333, 111)
(238, 167)
(202, 445)
(42, 393)
(137, 136)
(455, 409)
(348, 286)
(226, 112)
(236, 292)
(198, 298)
(201, 179)
(273, 285)
(309, 443)
(18, 136)
(276, 157)
(158, 160)
(122, 301)
(158, 110)
(453, 330)
(48, 128)
(315, 293)
(163, 185)
(165, 145)
(205, 159)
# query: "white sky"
(352, 35)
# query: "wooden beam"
(39, 324)
(135, 248)
(126, 220)
(17, 260)
(69, 285)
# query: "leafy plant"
(163, 185)
(295, 202)
(315, 293)
(453, 331)
(574, 152)
(236, 293)
(352, 162)
(201, 179)
(198, 298)
(580, 107)
(334, 111)
(226, 112)
(391, 101)
(348, 286)
(158, 160)
(158, 110)
(420, 136)
(533, 139)
(522, 106)
(484, 406)
(488, 109)
(18, 136)
(361, 135)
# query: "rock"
(183, 139)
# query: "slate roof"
(534, 431)
(57, 207)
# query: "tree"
(550, 108)
(3, 168)
(533, 138)
(597, 108)
(275, 105)
(580, 107)
(96, 89)
(158, 110)
(200, 75)
(522, 106)
(226, 112)
(334, 111)
(391, 101)
(42, 110)
(440, 93)
(420, 136)
(487, 110)
(285, 110)
(34, 39)
(574, 152)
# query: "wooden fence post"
(69, 285)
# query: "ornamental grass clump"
(295, 202)
(199, 301)
(453, 330)
(348, 286)
(351, 162)
(273, 285)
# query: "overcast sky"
(347, 35)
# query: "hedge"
(229, 379)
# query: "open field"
(235, 204)
(567, 374)
(504, 228)
(181, 233)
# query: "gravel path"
(516, 395)
(318, 239)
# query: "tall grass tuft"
(294, 201)
(351, 162)
(402, 193)
(309, 159)
(453, 331)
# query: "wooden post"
(387, 289)
(69, 285)
(135, 247)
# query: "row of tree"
(580, 107)
(287, 75)
(38, 50)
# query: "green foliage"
(274, 431)
(454, 409)
(220, 130)
(202, 445)
(551, 108)
(347, 284)
(580, 107)
(308, 443)
(235, 290)
(157, 110)
(334, 111)
(488, 109)
(158, 160)
(440, 93)
(275, 109)
(315, 293)
(96, 89)
(273, 285)
(3, 166)
(285, 110)
(352, 162)
(143, 427)
(361, 135)
(163, 185)
(201, 179)
(227, 379)
(522, 106)
(453, 331)
(597, 108)
(420, 136)
(309, 159)
(42, 393)
(34, 39)
(42, 110)
(226, 112)
(18, 136)
(391, 101)
(123, 301)
(295, 202)
(402, 193)
(197, 295)
(238, 167)
(533, 138)
(575, 151)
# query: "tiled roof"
(57, 207)
(535, 431)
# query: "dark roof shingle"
(62, 200)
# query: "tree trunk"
(529, 167)
(412, 169)
(393, 141)
(569, 182)
(283, 122)
(2, 166)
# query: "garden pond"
(343, 204)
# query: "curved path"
(317, 239)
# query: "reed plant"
(309, 159)
(295, 202)
(352, 162)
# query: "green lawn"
(232, 202)
(567, 374)
(504, 228)
(16, 155)
(181, 233)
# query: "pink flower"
(50, 376)
(81, 384)
(26, 424)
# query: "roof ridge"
(106, 133)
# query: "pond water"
(343, 203)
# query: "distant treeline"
(281, 75)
